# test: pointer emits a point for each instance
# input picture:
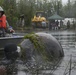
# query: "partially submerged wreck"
(42, 46)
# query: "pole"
(70, 65)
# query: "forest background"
(14, 8)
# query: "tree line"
(14, 8)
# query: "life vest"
(3, 21)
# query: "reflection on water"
(68, 42)
(67, 66)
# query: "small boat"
(16, 39)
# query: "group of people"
(55, 25)
(3, 24)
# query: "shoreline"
(30, 30)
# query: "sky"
(64, 1)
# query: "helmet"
(1, 9)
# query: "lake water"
(68, 63)
(68, 42)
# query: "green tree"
(26, 7)
(10, 11)
(1, 2)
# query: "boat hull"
(6, 40)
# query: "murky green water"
(68, 63)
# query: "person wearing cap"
(2, 21)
